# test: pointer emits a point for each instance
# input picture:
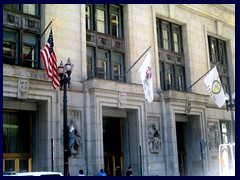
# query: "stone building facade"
(116, 127)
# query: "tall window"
(104, 18)
(105, 42)
(117, 66)
(218, 54)
(105, 65)
(171, 58)
(19, 40)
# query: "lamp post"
(230, 103)
(65, 73)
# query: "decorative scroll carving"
(23, 87)
(154, 139)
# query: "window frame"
(223, 63)
(93, 20)
(170, 56)
(20, 60)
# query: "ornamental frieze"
(184, 96)
(113, 85)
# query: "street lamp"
(230, 103)
(65, 73)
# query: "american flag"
(50, 61)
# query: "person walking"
(129, 171)
(81, 173)
(102, 173)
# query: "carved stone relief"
(154, 139)
(213, 135)
(75, 139)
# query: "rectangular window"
(20, 45)
(103, 64)
(180, 79)
(218, 54)
(29, 54)
(115, 21)
(89, 18)
(104, 18)
(101, 19)
(117, 66)
(213, 50)
(171, 58)
(90, 62)
(10, 44)
(222, 52)
(176, 39)
(16, 132)
(169, 77)
(225, 131)
(166, 36)
(29, 9)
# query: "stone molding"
(19, 71)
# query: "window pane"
(16, 128)
(90, 62)
(11, 6)
(10, 47)
(115, 20)
(29, 56)
(165, 40)
(166, 35)
(9, 165)
(115, 25)
(176, 42)
(103, 58)
(117, 66)
(180, 80)
(222, 56)
(169, 77)
(29, 9)
(89, 17)
(213, 47)
(100, 21)
(102, 69)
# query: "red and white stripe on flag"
(50, 62)
(214, 87)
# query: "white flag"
(146, 77)
(214, 87)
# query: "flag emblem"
(216, 87)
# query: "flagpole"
(136, 61)
(201, 77)
(40, 37)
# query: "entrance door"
(112, 143)
(188, 144)
(182, 163)
(17, 137)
